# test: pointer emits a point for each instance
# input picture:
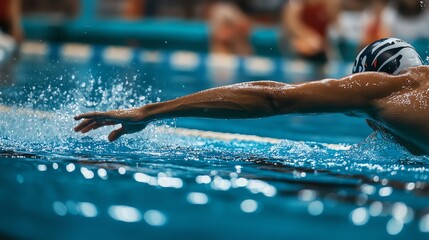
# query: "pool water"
(303, 177)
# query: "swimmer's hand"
(131, 121)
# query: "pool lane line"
(27, 111)
(179, 131)
(178, 60)
(182, 60)
(221, 136)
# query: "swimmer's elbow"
(273, 98)
(272, 107)
(281, 102)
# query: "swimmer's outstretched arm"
(253, 100)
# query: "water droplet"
(249, 206)
(124, 213)
(394, 226)
(359, 216)
(197, 198)
(59, 208)
(315, 208)
(155, 218)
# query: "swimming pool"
(300, 177)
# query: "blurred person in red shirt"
(10, 19)
(350, 28)
(306, 26)
(406, 19)
(134, 9)
(376, 19)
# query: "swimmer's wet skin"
(388, 87)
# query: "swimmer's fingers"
(133, 116)
(115, 134)
(92, 124)
(89, 127)
(92, 115)
(83, 124)
(96, 125)
(99, 125)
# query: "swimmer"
(389, 87)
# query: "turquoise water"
(316, 177)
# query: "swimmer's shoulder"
(419, 74)
(424, 69)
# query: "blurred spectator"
(411, 20)
(265, 12)
(134, 9)
(230, 29)
(137, 9)
(10, 18)
(350, 20)
(405, 19)
(306, 26)
(51, 8)
(376, 19)
(350, 28)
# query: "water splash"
(45, 126)
(45, 114)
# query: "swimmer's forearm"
(251, 100)
(267, 98)
(247, 100)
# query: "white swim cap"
(389, 55)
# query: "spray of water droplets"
(43, 120)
